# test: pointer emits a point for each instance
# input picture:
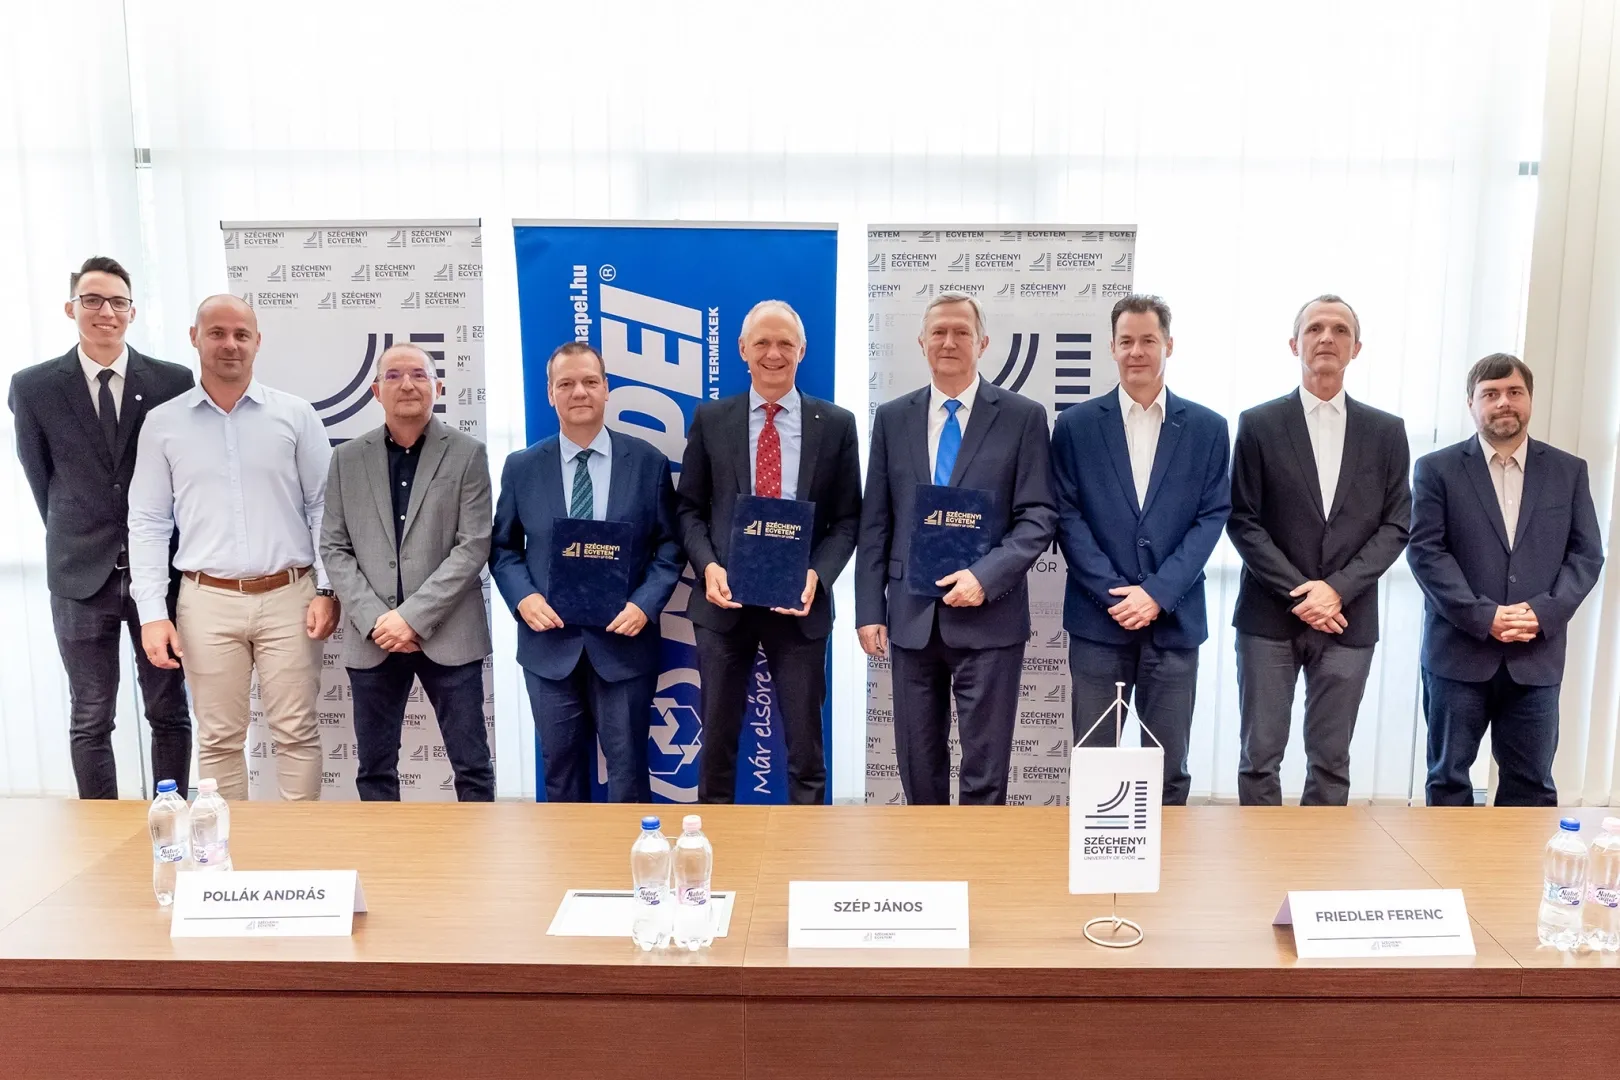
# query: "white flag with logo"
(1115, 810)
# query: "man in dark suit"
(77, 421)
(777, 442)
(1320, 509)
(962, 432)
(587, 682)
(1505, 544)
(1136, 536)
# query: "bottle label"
(694, 895)
(168, 852)
(1566, 895)
(216, 854)
(651, 895)
(1605, 897)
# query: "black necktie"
(109, 411)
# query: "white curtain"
(1268, 152)
(1573, 344)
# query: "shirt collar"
(120, 366)
(937, 398)
(1518, 457)
(789, 401)
(602, 444)
(197, 395)
(1126, 402)
(1311, 402)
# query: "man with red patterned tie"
(778, 443)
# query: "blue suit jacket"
(1005, 450)
(639, 492)
(1459, 554)
(1110, 541)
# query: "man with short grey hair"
(406, 565)
(1320, 509)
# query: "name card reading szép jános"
(877, 915)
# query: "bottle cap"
(692, 823)
(166, 786)
(1569, 824)
(650, 823)
(207, 786)
(1611, 824)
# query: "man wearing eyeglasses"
(404, 540)
(77, 418)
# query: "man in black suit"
(963, 432)
(1320, 509)
(776, 442)
(77, 421)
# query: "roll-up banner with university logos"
(330, 297)
(1046, 292)
(664, 303)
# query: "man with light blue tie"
(587, 683)
(959, 431)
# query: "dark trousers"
(1335, 676)
(799, 675)
(985, 685)
(1163, 683)
(87, 633)
(571, 714)
(457, 696)
(1523, 721)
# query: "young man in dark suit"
(1320, 509)
(778, 442)
(1137, 533)
(958, 431)
(1505, 545)
(77, 421)
(587, 682)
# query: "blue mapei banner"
(664, 304)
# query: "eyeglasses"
(93, 302)
(396, 375)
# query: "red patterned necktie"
(768, 456)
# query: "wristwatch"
(328, 593)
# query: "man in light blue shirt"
(241, 469)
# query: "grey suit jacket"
(441, 554)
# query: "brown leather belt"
(250, 585)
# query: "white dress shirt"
(247, 488)
(1142, 438)
(937, 416)
(92, 377)
(599, 467)
(1507, 477)
(789, 433)
(1325, 421)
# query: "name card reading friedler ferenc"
(877, 915)
(1378, 922)
(266, 903)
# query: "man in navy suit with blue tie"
(1141, 482)
(1505, 545)
(586, 682)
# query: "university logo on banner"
(664, 305)
(1046, 294)
(331, 298)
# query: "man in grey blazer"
(404, 540)
(959, 431)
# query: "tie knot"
(585, 454)
(106, 376)
(951, 405)
(771, 409)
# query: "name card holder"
(877, 915)
(1378, 922)
(266, 903)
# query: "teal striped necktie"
(584, 503)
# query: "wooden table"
(452, 969)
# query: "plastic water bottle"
(1563, 873)
(210, 828)
(694, 864)
(649, 877)
(167, 823)
(1600, 914)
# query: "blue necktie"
(582, 503)
(950, 441)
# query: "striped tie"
(583, 504)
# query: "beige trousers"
(224, 636)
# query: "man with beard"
(1505, 545)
